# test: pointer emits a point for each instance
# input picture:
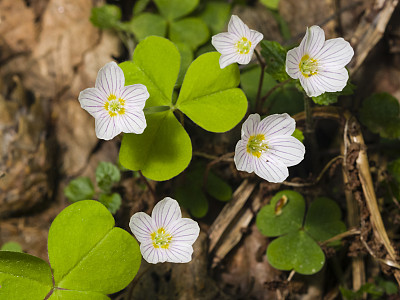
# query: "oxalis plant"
(147, 98)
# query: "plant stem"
(269, 93)
(309, 134)
(146, 181)
(156, 109)
(260, 83)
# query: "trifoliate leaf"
(216, 15)
(218, 188)
(174, 9)
(284, 214)
(87, 253)
(76, 295)
(298, 251)
(106, 16)
(381, 114)
(192, 197)
(79, 189)
(186, 59)
(275, 58)
(271, 4)
(147, 24)
(11, 246)
(209, 95)
(112, 202)
(298, 134)
(106, 175)
(191, 31)
(140, 6)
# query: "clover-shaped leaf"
(106, 175)
(147, 24)
(173, 9)
(216, 15)
(284, 214)
(191, 31)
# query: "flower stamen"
(243, 46)
(161, 239)
(256, 145)
(114, 106)
(308, 66)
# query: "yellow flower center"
(308, 66)
(243, 46)
(114, 106)
(256, 145)
(161, 239)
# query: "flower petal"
(313, 41)
(150, 254)
(287, 149)
(238, 28)
(106, 128)
(293, 59)
(92, 100)
(311, 88)
(142, 227)
(135, 96)
(335, 54)
(224, 42)
(179, 253)
(244, 59)
(228, 59)
(110, 79)
(249, 127)
(270, 169)
(184, 230)
(331, 81)
(243, 159)
(132, 122)
(277, 124)
(255, 37)
(166, 212)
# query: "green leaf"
(191, 31)
(216, 15)
(23, 276)
(323, 219)
(140, 5)
(285, 99)
(156, 63)
(112, 202)
(106, 175)
(163, 150)
(330, 98)
(218, 188)
(174, 9)
(380, 113)
(87, 253)
(298, 251)
(147, 24)
(272, 4)
(209, 95)
(276, 218)
(191, 197)
(11, 246)
(186, 59)
(249, 81)
(275, 58)
(79, 189)
(76, 295)
(298, 134)
(106, 16)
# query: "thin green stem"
(260, 83)
(156, 109)
(269, 93)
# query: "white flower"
(165, 236)
(236, 45)
(319, 64)
(267, 147)
(115, 107)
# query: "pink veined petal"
(92, 100)
(135, 96)
(287, 149)
(255, 37)
(311, 88)
(184, 230)
(249, 126)
(335, 54)
(331, 80)
(149, 253)
(270, 169)
(238, 28)
(110, 79)
(132, 122)
(244, 161)
(142, 226)
(312, 42)
(179, 253)
(228, 59)
(166, 212)
(293, 59)
(106, 128)
(224, 43)
(277, 124)
(244, 59)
